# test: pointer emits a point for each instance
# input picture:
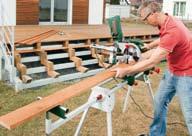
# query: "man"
(175, 43)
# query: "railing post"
(1, 38)
(13, 74)
(7, 53)
(0, 63)
(1, 24)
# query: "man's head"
(149, 11)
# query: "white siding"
(122, 10)
(188, 9)
(70, 12)
(8, 12)
(96, 11)
(168, 6)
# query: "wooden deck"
(79, 32)
(138, 30)
(74, 32)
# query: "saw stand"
(101, 98)
(145, 78)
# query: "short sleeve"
(169, 40)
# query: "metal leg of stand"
(148, 83)
(81, 122)
(109, 124)
(127, 98)
(47, 134)
(48, 124)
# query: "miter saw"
(124, 52)
(128, 52)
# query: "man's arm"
(158, 54)
(147, 54)
(153, 44)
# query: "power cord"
(148, 116)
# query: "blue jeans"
(169, 86)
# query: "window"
(54, 11)
(45, 11)
(179, 9)
(60, 10)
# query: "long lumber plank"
(37, 38)
(24, 114)
(42, 37)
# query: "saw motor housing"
(117, 52)
(131, 53)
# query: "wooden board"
(37, 38)
(27, 12)
(80, 11)
(21, 115)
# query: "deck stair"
(48, 62)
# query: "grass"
(130, 123)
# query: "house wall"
(122, 10)
(8, 12)
(27, 12)
(80, 11)
(168, 6)
(96, 9)
(188, 9)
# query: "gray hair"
(150, 7)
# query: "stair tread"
(38, 50)
(40, 69)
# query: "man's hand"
(157, 55)
(151, 45)
(146, 46)
(121, 72)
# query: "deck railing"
(7, 46)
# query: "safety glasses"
(145, 18)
